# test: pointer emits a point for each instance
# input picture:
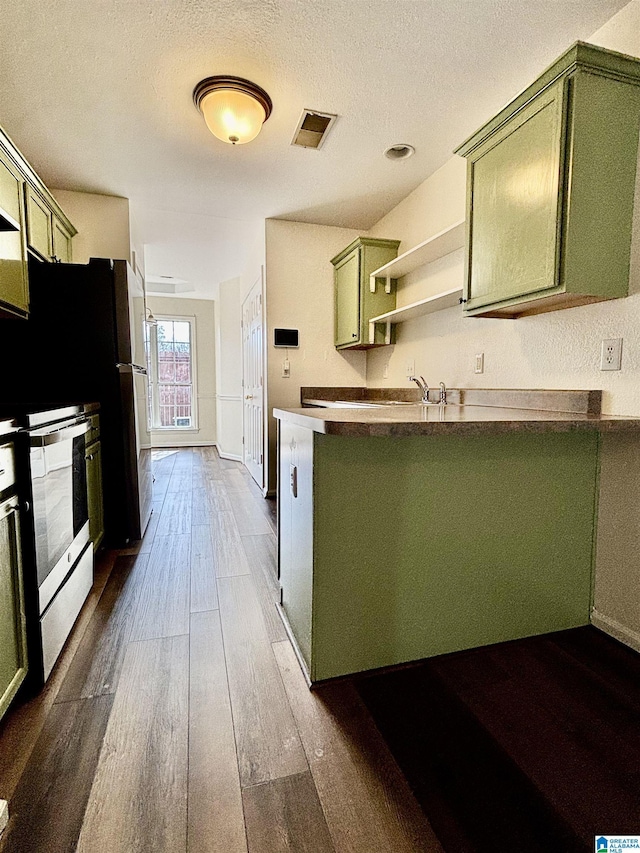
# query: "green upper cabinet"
(39, 225)
(550, 187)
(48, 235)
(31, 222)
(62, 237)
(14, 291)
(356, 301)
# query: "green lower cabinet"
(396, 549)
(550, 189)
(355, 303)
(93, 460)
(13, 643)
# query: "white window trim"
(181, 318)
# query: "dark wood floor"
(527, 746)
(177, 718)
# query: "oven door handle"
(9, 506)
(60, 435)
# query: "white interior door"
(252, 383)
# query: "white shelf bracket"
(387, 332)
(372, 283)
(387, 287)
(372, 333)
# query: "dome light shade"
(234, 109)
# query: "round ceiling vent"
(399, 152)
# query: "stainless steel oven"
(62, 554)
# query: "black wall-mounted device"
(285, 338)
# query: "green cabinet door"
(550, 189)
(61, 241)
(14, 291)
(39, 225)
(13, 644)
(93, 460)
(355, 301)
(347, 308)
(515, 182)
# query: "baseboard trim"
(616, 630)
(183, 444)
(232, 456)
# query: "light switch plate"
(286, 369)
(411, 367)
(479, 363)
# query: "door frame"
(258, 284)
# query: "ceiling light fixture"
(234, 109)
(399, 152)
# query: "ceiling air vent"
(312, 129)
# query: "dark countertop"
(412, 420)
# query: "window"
(169, 348)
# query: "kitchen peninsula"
(409, 530)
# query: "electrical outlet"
(385, 370)
(611, 356)
(479, 363)
(286, 369)
(411, 367)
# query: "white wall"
(299, 288)
(229, 369)
(556, 350)
(137, 245)
(102, 222)
(256, 260)
(203, 312)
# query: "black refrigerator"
(84, 342)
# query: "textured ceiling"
(98, 94)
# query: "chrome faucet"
(422, 385)
(443, 394)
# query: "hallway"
(177, 718)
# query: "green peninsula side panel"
(427, 545)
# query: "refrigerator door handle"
(131, 368)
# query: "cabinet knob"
(354, 335)
(249, 397)
(461, 301)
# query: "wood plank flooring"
(534, 742)
(177, 719)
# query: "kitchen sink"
(371, 404)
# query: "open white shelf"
(430, 250)
(437, 302)
(435, 247)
